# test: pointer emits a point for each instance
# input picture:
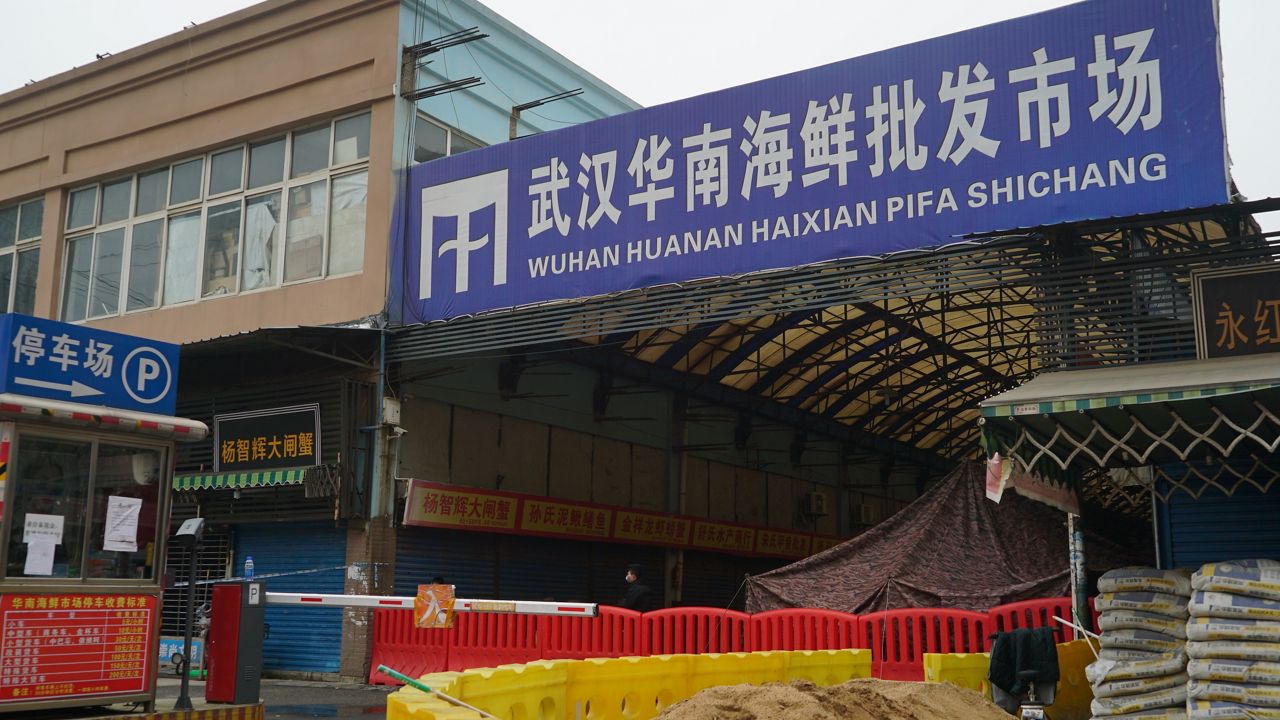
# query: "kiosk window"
(46, 539)
(125, 509)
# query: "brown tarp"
(951, 548)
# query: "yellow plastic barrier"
(970, 670)
(630, 688)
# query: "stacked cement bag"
(1141, 671)
(1234, 641)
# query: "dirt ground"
(854, 700)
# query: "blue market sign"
(1094, 110)
(60, 361)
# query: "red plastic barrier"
(615, 632)
(899, 638)
(803, 629)
(1034, 614)
(401, 646)
(486, 640)
(693, 630)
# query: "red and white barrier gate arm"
(508, 607)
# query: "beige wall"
(268, 68)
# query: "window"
(248, 217)
(20, 228)
(433, 140)
(69, 485)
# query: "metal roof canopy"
(22, 407)
(1196, 422)
(900, 350)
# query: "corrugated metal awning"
(218, 481)
(1187, 424)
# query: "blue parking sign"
(60, 361)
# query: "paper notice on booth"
(122, 524)
(39, 556)
(35, 525)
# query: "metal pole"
(184, 694)
(1079, 578)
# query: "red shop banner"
(72, 646)
(456, 507)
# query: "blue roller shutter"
(300, 639)
(466, 560)
(715, 580)
(1216, 527)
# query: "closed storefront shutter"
(713, 580)
(1216, 527)
(313, 558)
(534, 568)
(212, 557)
(466, 560)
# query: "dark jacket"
(1023, 649)
(639, 597)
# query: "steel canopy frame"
(894, 353)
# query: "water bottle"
(248, 568)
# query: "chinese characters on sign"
(448, 506)
(61, 361)
(58, 646)
(268, 439)
(1092, 110)
(1238, 311)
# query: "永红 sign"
(1237, 311)
(61, 361)
(1093, 110)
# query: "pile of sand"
(854, 700)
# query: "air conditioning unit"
(815, 503)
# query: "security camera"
(398, 431)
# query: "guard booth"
(86, 461)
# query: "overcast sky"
(660, 50)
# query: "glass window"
(144, 264)
(225, 171)
(222, 249)
(6, 277)
(8, 226)
(266, 163)
(151, 189)
(82, 207)
(115, 201)
(181, 255)
(261, 239)
(125, 509)
(52, 477)
(461, 144)
(24, 295)
(430, 141)
(346, 225)
(351, 139)
(31, 220)
(310, 151)
(185, 184)
(304, 233)
(108, 258)
(75, 286)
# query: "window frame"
(170, 210)
(19, 431)
(20, 247)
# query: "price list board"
(55, 647)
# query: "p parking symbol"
(146, 375)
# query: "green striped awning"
(217, 481)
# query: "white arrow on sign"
(76, 388)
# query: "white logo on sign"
(458, 200)
(146, 375)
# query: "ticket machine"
(87, 438)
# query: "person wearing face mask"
(639, 596)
